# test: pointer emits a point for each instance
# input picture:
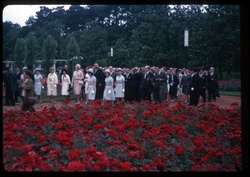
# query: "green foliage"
(140, 34)
(20, 52)
(49, 52)
(32, 50)
(72, 48)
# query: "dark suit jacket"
(10, 81)
(212, 81)
(202, 81)
(150, 79)
(113, 75)
(162, 76)
(195, 82)
(100, 77)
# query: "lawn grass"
(231, 76)
(230, 93)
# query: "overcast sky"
(21, 13)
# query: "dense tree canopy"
(139, 34)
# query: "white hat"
(37, 69)
(90, 70)
(107, 71)
(25, 68)
(119, 69)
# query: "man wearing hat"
(194, 92)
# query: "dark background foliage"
(139, 34)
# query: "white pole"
(111, 52)
(185, 38)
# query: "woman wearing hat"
(120, 86)
(52, 82)
(108, 93)
(91, 87)
(38, 83)
(77, 82)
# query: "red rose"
(179, 150)
(75, 166)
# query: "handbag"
(81, 82)
(32, 99)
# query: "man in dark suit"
(213, 85)
(10, 84)
(142, 84)
(126, 76)
(160, 82)
(149, 79)
(100, 81)
(202, 84)
(194, 93)
(174, 84)
(18, 79)
(113, 74)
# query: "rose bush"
(232, 85)
(136, 137)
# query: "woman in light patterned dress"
(120, 86)
(77, 81)
(52, 82)
(108, 94)
(38, 84)
(91, 85)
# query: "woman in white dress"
(167, 96)
(52, 82)
(65, 84)
(179, 93)
(91, 85)
(77, 82)
(38, 84)
(108, 94)
(119, 86)
(86, 86)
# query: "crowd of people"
(108, 84)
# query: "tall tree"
(10, 33)
(20, 52)
(49, 52)
(32, 51)
(72, 48)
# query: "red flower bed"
(140, 137)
